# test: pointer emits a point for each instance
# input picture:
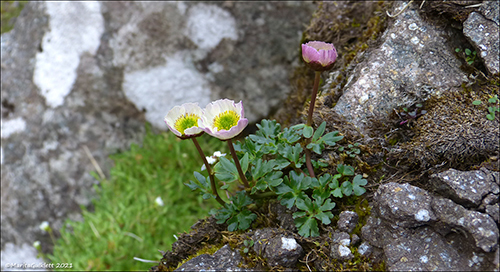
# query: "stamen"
(226, 120)
(186, 121)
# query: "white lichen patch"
(75, 28)
(422, 215)
(207, 25)
(288, 243)
(12, 126)
(344, 251)
(158, 89)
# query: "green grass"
(126, 223)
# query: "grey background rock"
(91, 74)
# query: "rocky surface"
(224, 259)
(277, 247)
(449, 238)
(413, 63)
(439, 217)
(86, 76)
(482, 29)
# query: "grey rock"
(78, 74)
(413, 62)
(483, 34)
(465, 187)
(424, 249)
(491, 10)
(482, 227)
(355, 239)
(224, 259)
(340, 252)
(339, 248)
(347, 221)
(283, 251)
(284, 216)
(278, 247)
(493, 211)
(365, 249)
(404, 205)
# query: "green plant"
(491, 109)
(10, 10)
(269, 163)
(470, 56)
(127, 220)
(352, 151)
(248, 244)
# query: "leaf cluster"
(273, 161)
(491, 109)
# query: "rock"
(284, 251)
(347, 221)
(482, 31)
(422, 249)
(339, 248)
(224, 259)
(482, 227)
(78, 74)
(493, 211)
(404, 205)
(453, 238)
(355, 239)
(365, 249)
(277, 247)
(413, 62)
(465, 187)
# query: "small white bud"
(159, 201)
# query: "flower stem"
(237, 163)
(313, 97)
(210, 173)
(317, 77)
(308, 162)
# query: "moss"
(10, 10)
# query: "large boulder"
(80, 79)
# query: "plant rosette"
(319, 56)
(223, 119)
(183, 120)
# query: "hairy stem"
(237, 163)
(313, 97)
(210, 173)
(317, 77)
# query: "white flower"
(223, 119)
(45, 226)
(159, 201)
(218, 154)
(183, 120)
(36, 244)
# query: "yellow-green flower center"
(186, 121)
(226, 120)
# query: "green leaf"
(307, 226)
(314, 147)
(331, 138)
(290, 135)
(490, 117)
(357, 182)
(292, 188)
(337, 192)
(307, 131)
(319, 131)
(467, 51)
(476, 102)
(244, 163)
(345, 170)
(470, 62)
(457, 50)
(494, 99)
(292, 153)
(281, 163)
(346, 188)
(225, 170)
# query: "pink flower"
(320, 56)
(223, 119)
